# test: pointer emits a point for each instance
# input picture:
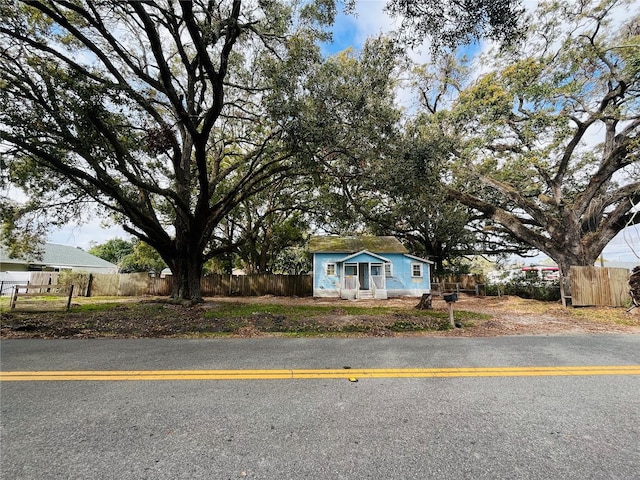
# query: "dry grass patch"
(255, 316)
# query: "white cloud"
(372, 20)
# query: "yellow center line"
(288, 374)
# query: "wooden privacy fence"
(79, 280)
(598, 286)
(243, 285)
(134, 284)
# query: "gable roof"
(332, 244)
(60, 256)
(423, 260)
(364, 253)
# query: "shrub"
(79, 280)
(525, 287)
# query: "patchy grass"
(324, 320)
(256, 316)
(93, 307)
(162, 319)
(517, 316)
(597, 315)
(297, 312)
(5, 303)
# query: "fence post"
(14, 297)
(69, 300)
(563, 293)
(451, 320)
(89, 285)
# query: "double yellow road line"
(314, 374)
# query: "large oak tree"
(549, 146)
(155, 111)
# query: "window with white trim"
(331, 269)
(416, 270)
(388, 270)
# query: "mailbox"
(450, 297)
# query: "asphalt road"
(529, 427)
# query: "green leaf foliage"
(161, 113)
(549, 150)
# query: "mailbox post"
(451, 298)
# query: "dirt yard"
(154, 317)
(508, 315)
(516, 316)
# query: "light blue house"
(367, 267)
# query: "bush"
(527, 288)
(79, 280)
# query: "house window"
(388, 270)
(416, 270)
(331, 269)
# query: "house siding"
(401, 283)
(326, 285)
(13, 267)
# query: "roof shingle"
(61, 256)
(332, 244)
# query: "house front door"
(363, 275)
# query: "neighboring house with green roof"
(56, 258)
(367, 267)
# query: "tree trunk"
(187, 274)
(425, 302)
(264, 251)
(573, 251)
(186, 281)
(572, 256)
(634, 285)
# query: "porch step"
(364, 294)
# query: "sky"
(369, 20)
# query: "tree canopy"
(130, 255)
(157, 111)
(113, 250)
(548, 146)
(448, 25)
(215, 128)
